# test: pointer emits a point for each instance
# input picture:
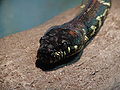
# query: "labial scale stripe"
(63, 41)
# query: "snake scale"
(63, 41)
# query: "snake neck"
(91, 19)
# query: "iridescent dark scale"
(63, 41)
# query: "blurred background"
(20, 15)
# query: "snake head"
(58, 43)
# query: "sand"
(97, 69)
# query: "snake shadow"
(60, 64)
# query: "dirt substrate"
(97, 69)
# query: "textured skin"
(64, 41)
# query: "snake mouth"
(47, 63)
(48, 57)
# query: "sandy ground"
(97, 69)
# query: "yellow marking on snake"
(99, 19)
(84, 31)
(61, 53)
(108, 4)
(82, 6)
(86, 38)
(105, 12)
(56, 53)
(64, 53)
(105, 3)
(69, 49)
(75, 47)
(93, 28)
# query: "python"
(63, 41)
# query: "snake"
(63, 41)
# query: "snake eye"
(64, 43)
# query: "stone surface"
(97, 69)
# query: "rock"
(97, 69)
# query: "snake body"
(63, 41)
